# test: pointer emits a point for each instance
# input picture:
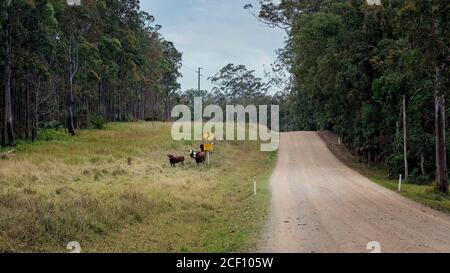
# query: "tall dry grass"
(114, 191)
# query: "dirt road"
(321, 205)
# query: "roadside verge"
(424, 194)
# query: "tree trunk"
(8, 129)
(70, 123)
(73, 69)
(27, 110)
(35, 118)
(168, 111)
(422, 164)
(405, 139)
(397, 131)
(35, 121)
(441, 149)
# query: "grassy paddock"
(83, 189)
(424, 194)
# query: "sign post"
(208, 149)
(208, 139)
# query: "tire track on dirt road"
(321, 205)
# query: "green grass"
(61, 189)
(424, 194)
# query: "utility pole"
(199, 78)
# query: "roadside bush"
(415, 177)
(128, 118)
(51, 135)
(97, 122)
(395, 164)
(53, 124)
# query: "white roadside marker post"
(374, 246)
(254, 185)
(400, 184)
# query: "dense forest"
(77, 66)
(377, 76)
(356, 67)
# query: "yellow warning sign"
(209, 147)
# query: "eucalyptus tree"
(8, 18)
(171, 65)
(235, 84)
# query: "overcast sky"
(213, 33)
